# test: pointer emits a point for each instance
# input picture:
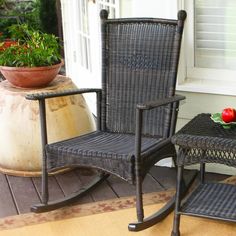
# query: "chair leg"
(202, 172)
(49, 206)
(174, 161)
(165, 210)
(44, 183)
(175, 230)
(139, 200)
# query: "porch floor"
(18, 194)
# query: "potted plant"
(32, 60)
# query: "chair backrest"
(139, 63)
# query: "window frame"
(196, 79)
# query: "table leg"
(202, 172)
(175, 230)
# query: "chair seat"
(98, 149)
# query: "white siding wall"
(155, 8)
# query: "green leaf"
(35, 48)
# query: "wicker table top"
(202, 140)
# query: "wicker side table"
(203, 141)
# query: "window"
(111, 5)
(215, 34)
(210, 46)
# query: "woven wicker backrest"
(140, 59)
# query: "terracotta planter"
(30, 77)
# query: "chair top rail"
(181, 17)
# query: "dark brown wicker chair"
(136, 109)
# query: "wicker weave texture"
(202, 140)
(140, 66)
(213, 200)
(108, 151)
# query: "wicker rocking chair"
(136, 110)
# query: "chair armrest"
(153, 104)
(139, 120)
(45, 95)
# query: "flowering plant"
(29, 48)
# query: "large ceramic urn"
(20, 138)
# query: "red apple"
(228, 115)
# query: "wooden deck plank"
(165, 176)
(121, 187)
(101, 192)
(24, 193)
(215, 177)
(151, 185)
(55, 191)
(70, 183)
(209, 177)
(7, 205)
